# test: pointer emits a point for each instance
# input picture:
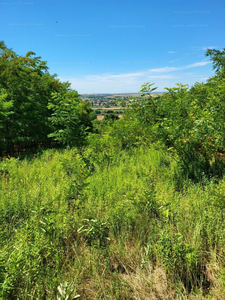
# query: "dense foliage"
(29, 96)
(135, 211)
(71, 118)
(191, 123)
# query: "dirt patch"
(100, 117)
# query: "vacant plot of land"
(100, 117)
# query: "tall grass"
(109, 224)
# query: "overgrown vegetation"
(135, 211)
(29, 101)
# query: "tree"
(27, 87)
(189, 122)
(5, 111)
(218, 59)
(110, 117)
(71, 118)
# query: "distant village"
(107, 100)
(111, 100)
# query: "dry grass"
(100, 117)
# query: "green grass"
(113, 224)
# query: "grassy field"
(109, 224)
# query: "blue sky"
(115, 46)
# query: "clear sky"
(115, 46)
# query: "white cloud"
(204, 78)
(171, 69)
(131, 82)
(209, 47)
(160, 77)
(198, 64)
(175, 60)
(164, 69)
(203, 48)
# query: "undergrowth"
(109, 224)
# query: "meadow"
(109, 225)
